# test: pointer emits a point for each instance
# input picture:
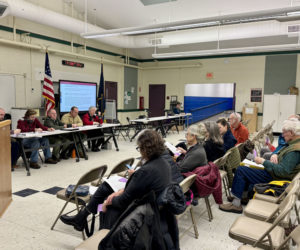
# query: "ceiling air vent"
(293, 30)
(155, 42)
(3, 7)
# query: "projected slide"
(79, 94)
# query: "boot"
(78, 221)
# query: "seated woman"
(228, 138)
(287, 167)
(91, 118)
(154, 174)
(32, 124)
(213, 144)
(195, 155)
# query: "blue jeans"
(245, 178)
(36, 143)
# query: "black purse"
(82, 190)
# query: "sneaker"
(34, 165)
(50, 161)
(229, 207)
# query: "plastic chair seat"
(248, 230)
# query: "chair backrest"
(234, 158)
(294, 187)
(92, 175)
(295, 235)
(220, 162)
(297, 176)
(293, 191)
(121, 166)
(288, 207)
(187, 183)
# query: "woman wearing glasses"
(154, 174)
(194, 155)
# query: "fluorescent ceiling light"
(280, 47)
(295, 13)
(257, 16)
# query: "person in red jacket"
(239, 131)
(91, 118)
(32, 124)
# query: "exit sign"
(72, 64)
(209, 75)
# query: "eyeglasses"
(137, 149)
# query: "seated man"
(32, 124)
(177, 109)
(15, 149)
(62, 141)
(239, 131)
(287, 167)
(91, 118)
(72, 119)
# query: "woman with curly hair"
(154, 174)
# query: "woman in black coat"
(213, 144)
(228, 138)
(154, 174)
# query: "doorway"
(157, 99)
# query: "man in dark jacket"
(61, 141)
(32, 124)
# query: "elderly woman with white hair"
(287, 167)
(195, 155)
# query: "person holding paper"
(32, 124)
(154, 174)
(287, 167)
(195, 155)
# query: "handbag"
(82, 190)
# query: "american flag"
(48, 91)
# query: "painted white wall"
(246, 72)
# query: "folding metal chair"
(185, 185)
(88, 177)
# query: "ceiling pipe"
(38, 14)
(63, 52)
(254, 16)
